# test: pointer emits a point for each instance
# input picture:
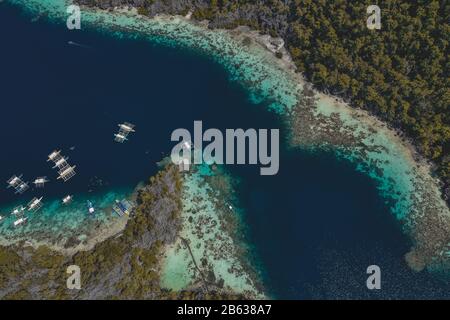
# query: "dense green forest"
(29, 273)
(399, 73)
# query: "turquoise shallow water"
(99, 124)
(204, 223)
(267, 82)
(61, 222)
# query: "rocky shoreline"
(256, 14)
(112, 262)
(324, 122)
(127, 265)
(210, 252)
(64, 229)
(427, 219)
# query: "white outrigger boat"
(91, 208)
(188, 145)
(40, 182)
(123, 207)
(20, 221)
(65, 170)
(125, 129)
(18, 211)
(68, 199)
(35, 204)
(18, 184)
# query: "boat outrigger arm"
(91, 208)
(40, 182)
(67, 199)
(20, 221)
(18, 184)
(125, 129)
(67, 173)
(35, 204)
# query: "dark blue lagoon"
(314, 228)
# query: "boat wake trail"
(76, 44)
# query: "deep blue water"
(315, 227)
